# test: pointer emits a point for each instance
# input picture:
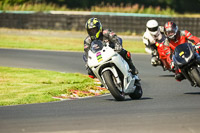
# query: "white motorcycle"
(113, 71)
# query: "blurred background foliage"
(130, 6)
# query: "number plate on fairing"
(99, 56)
(181, 53)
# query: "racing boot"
(133, 70)
(155, 62)
(178, 75)
(127, 57)
(90, 73)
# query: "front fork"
(114, 72)
(187, 73)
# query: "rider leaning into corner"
(154, 33)
(175, 37)
(96, 32)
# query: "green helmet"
(94, 28)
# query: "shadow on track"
(166, 75)
(129, 99)
(192, 93)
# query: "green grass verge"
(57, 43)
(25, 86)
(45, 43)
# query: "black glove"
(104, 43)
(118, 47)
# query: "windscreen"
(184, 54)
(96, 46)
(185, 49)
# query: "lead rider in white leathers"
(154, 33)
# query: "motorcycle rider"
(154, 33)
(95, 31)
(175, 37)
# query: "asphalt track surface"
(167, 106)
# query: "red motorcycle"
(165, 56)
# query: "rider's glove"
(172, 66)
(105, 42)
(118, 47)
(197, 46)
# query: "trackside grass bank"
(25, 86)
(55, 40)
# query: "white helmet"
(152, 27)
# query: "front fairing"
(99, 57)
(184, 53)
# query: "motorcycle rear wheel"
(195, 75)
(109, 80)
(137, 93)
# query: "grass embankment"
(43, 43)
(25, 86)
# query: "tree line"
(180, 6)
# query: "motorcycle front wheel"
(195, 75)
(112, 87)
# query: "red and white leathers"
(183, 36)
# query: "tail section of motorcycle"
(164, 55)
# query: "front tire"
(195, 75)
(109, 80)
